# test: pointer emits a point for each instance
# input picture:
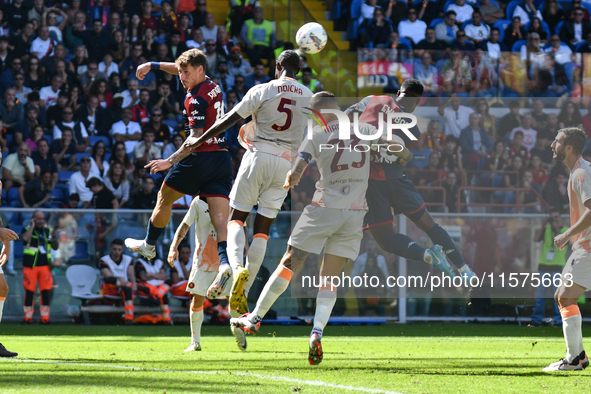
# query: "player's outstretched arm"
(217, 128)
(179, 235)
(145, 68)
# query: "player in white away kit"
(576, 275)
(6, 235)
(203, 271)
(333, 221)
(279, 123)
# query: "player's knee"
(3, 289)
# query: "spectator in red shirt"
(538, 170)
(147, 20)
(141, 112)
(516, 147)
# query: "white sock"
(427, 258)
(572, 335)
(235, 244)
(463, 269)
(196, 322)
(325, 301)
(254, 258)
(277, 284)
(1, 307)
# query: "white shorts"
(579, 266)
(199, 281)
(339, 231)
(260, 182)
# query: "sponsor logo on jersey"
(194, 101)
(194, 112)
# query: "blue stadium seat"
(352, 30)
(579, 45)
(492, 2)
(171, 123)
(49, 138)
(13, 195)
(4, 197)
(336, 10)
(511, 7)
(79, 157)
(64, 176)
(18, 249)
(558, 27)
(107, 156)
(81, 252)
(17, 228)
(96, 138)
(447, 4)
(9, 139)
(355, 12)
(436, 21)
(518, 44)
(568, 69)
(544, 26)
(502, 24)
(406, 41)
(155, 176)
(466, 23)
(57, 196)
(4, 155)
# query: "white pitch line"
(246, 374)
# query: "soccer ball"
(311, 38)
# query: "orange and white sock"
(196, 317)
(255, 257)
(235, 244)
(325, 301)
(277, 284)
(571, 327)
(2, 299)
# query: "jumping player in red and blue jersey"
(389, 188)
(204, 171)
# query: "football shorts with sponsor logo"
(208, 174)
(260, 182)
(339, 231)
(199, 281)
(399, 194)
(579, 266)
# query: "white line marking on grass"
(246, 374)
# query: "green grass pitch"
(416, 358)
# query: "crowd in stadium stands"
(71, 108)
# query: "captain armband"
(305, 157)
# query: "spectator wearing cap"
(414, 29)
(127, 131)
(18, 168)
(259, 36)
(77, 182)
(258, 77)
(175, 46)
(161, 130)
(209, 28)
(575, 30)
(526, 12)
(196, 40)
(238, 65)
(463, 11)
(226, 80)
(447, 29)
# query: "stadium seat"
(436, 21)
(49, 138)
(96, 138)
(79, 157)
(336, 10)
(13, 195)
(578, 46)
(568, 69)
(107, 156)
(502, 24)
(352, 30)
(406, 41)
(558, 27)
(544, 26)
(57, 196)
(355, 12)
(17, 228)
(64, 176)
(82, 278)
(9, 139)
(447, 4)
(171, 123)
(18, 249)
(4, 155)
(492, 2)
(81, 254)
(518, 44)
(157, 176)
(4, 195)
(511, 7)
(466, 23)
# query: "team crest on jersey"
(191, 285)
(345, 190)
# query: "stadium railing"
(516, 205)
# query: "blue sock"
(403, 246)
(222, 253)
(153, 233)
(441, 237)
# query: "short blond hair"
(193, 57)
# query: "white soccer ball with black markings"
(311, 38)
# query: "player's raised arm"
(294, 175)
(145, 68)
